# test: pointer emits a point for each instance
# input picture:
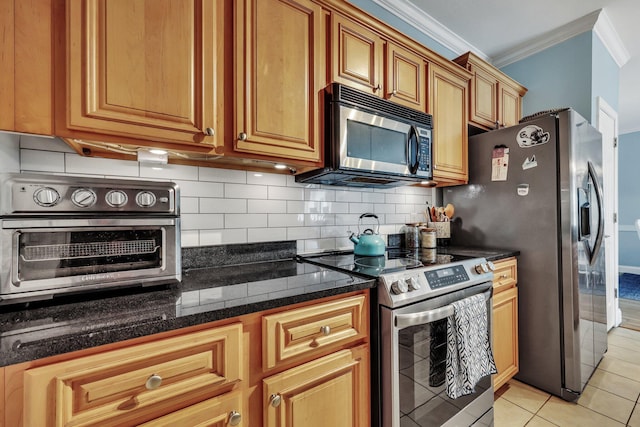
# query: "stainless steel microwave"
(372, 142)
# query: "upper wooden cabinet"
(143, 69)
(279, 82)
(26, 66)
(449, 101)
(495, 98)
(362, 59)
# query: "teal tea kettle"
(368, 243)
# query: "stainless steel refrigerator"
(537, 187)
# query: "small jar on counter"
(427, 238)
(411, 235)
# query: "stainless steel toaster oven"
(62, 234)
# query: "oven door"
(52, 256)
(413, 354)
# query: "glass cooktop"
(373, 266)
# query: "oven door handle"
(405, 320)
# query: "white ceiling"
(500, 30)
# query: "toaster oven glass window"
(44, 255)
(376, 143)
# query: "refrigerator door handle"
(598, 190)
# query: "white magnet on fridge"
(523, 189)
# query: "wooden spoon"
(449, 210)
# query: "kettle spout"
(354, 239)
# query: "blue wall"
(559, 76)
(629, 197)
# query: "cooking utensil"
(449, 210)
(369, 242)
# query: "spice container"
(427, 238)
(411, 236)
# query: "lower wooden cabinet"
(505, 321)
(330, 391)
(136, 384)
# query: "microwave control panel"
(424, 149)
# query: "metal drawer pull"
(275, 400)
(430, 316)
(153, 382)
(209, 132)
(234, 418)
(325, 330)
(504, 276)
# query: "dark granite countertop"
(491, 254)
(205, 294)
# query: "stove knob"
(482, 268)
(412, 284)
(399, 287)
(146, 199)
(84, 197)
(46, 196)
(116, 198)
(492, 266)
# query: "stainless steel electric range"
(408, 333)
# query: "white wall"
(228, 206)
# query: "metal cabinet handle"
(394, 93)
(377, 88)
(242, 136)
(504, 276)
(234, 418)
(209, 131)
(325, 330)
(275, 400)
(153, 382)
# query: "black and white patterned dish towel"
(469, 356)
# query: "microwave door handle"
(413, 150)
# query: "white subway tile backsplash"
(189, 205)
(266, 179)
(286, 220)
(222, 175)
(202, 221)
(245, 220)
(266, 234)
(285, 193)
(200, 189)
(75, 163)
(170, 172)
(244, 191)
(190, 238)
(41, 161)
(220, 205)
(267, 206)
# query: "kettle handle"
(369, 215)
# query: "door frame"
(614, 315)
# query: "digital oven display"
(446, 276)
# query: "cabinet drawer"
(132, 385)
(505, 275)
(306, 330)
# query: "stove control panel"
(405, 287)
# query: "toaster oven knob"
(116, 198)
(399, 287)
(46, 196)
(146, 199)
(84, 197)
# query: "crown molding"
(429, 26)
(611, 40)
(626, 130)
(547, 40)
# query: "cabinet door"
(330, 391)
(510, 105)
(505, 335)
(142, 69)
(280, 63)
(406, 79)
(450, 139)
(484, 98)
(356, 55)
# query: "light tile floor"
(611, 397)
